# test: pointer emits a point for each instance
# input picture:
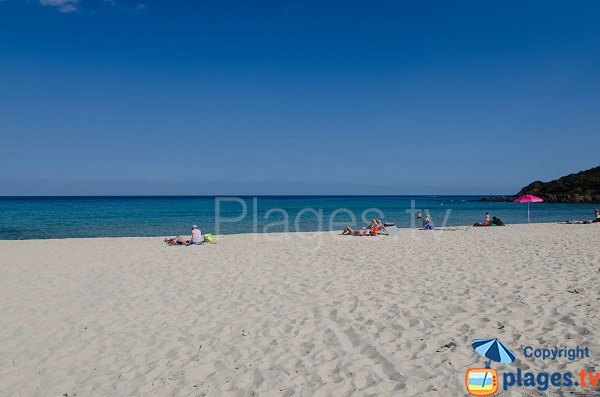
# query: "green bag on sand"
(209, 238)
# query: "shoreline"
(325, 232)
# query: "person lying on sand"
(177, 240)
(372, 229)
(574, 222)
(360, 232)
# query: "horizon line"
(252, 195)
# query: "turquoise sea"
(65, 217)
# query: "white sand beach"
(310, 314)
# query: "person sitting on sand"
(196, 236)
(597, 214)
(427, 223)
(375, 229)
(487, 221)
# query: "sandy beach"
(307, 314)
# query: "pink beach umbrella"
(528, 198)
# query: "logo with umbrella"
(484, 381)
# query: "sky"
(295, 97)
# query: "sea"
(78, 217)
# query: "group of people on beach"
(378, 227)
(489, 222)
(178, 240)
(373, 229)
(585, 222)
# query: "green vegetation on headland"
(582, 187)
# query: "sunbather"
(177, 240)
(575, 222)
(360, 232)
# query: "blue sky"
(295, 97)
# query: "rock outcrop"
(582, 187)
